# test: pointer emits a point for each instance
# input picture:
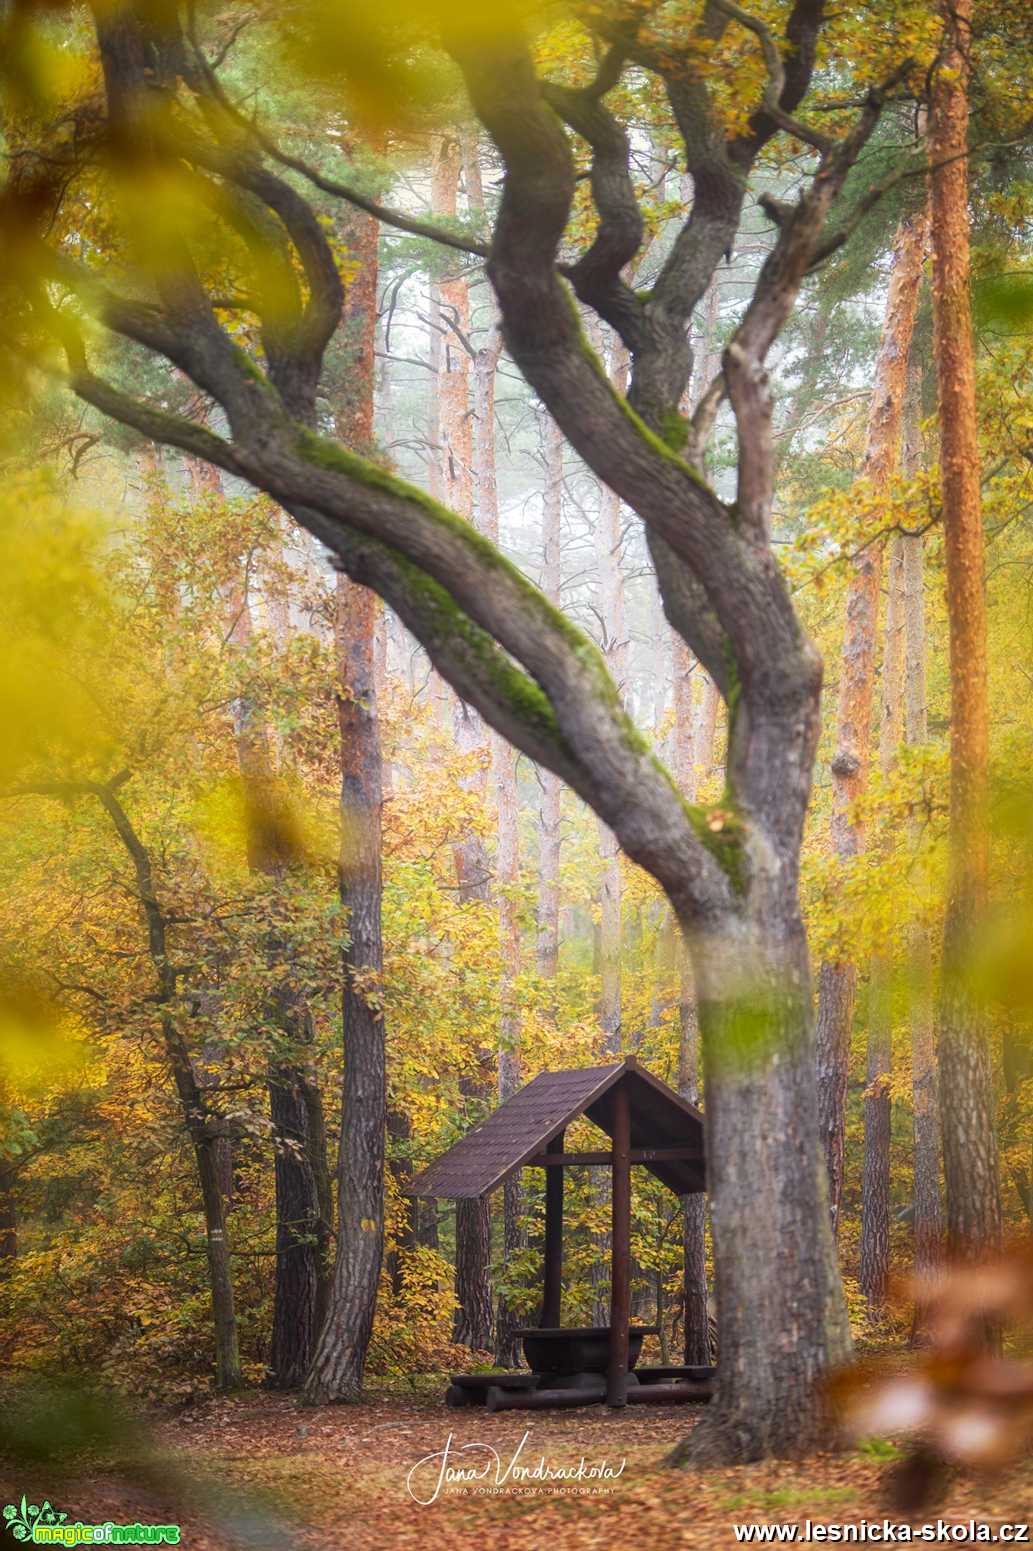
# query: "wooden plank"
(620, 1253)
(560, 1160)
(552, 1284)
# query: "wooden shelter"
(649, 1125)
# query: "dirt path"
(275, 1475)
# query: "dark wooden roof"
(522, 1127)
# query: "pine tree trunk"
(507, 852)
(926, 1201)
(838, 978)
(878, 1114)
(971, 1169)
(303, 1198)
(925, 1195)
(615, 645)
(338, 1366)
(548, 945)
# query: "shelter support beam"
(620, 1271)
(552, 1288)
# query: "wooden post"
(620, 1255)
(552, 1288)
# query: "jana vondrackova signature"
(479, 1463)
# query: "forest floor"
(260, 1471)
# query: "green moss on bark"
(332, 456)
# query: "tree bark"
(971, 1169)
(758, 1065)
(838, 978)
(304, 1212)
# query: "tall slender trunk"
(399, 1160)
(200, 1123)
(615, 644)
(504, 782)
(838, 978)
(548, 946)
(338, 1366)
(609, 937)
(473, 1324)
(971, 1169)
(304, 1205)
(878, 1115)
(928, 1214)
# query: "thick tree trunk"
(473, 1321)
(696, 1329)
(304, 1210)
(337, 1369)
(838, 978)
(970, 1160)
(768, 1193)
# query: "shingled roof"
(519, 1129)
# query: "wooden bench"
(471, 1389)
